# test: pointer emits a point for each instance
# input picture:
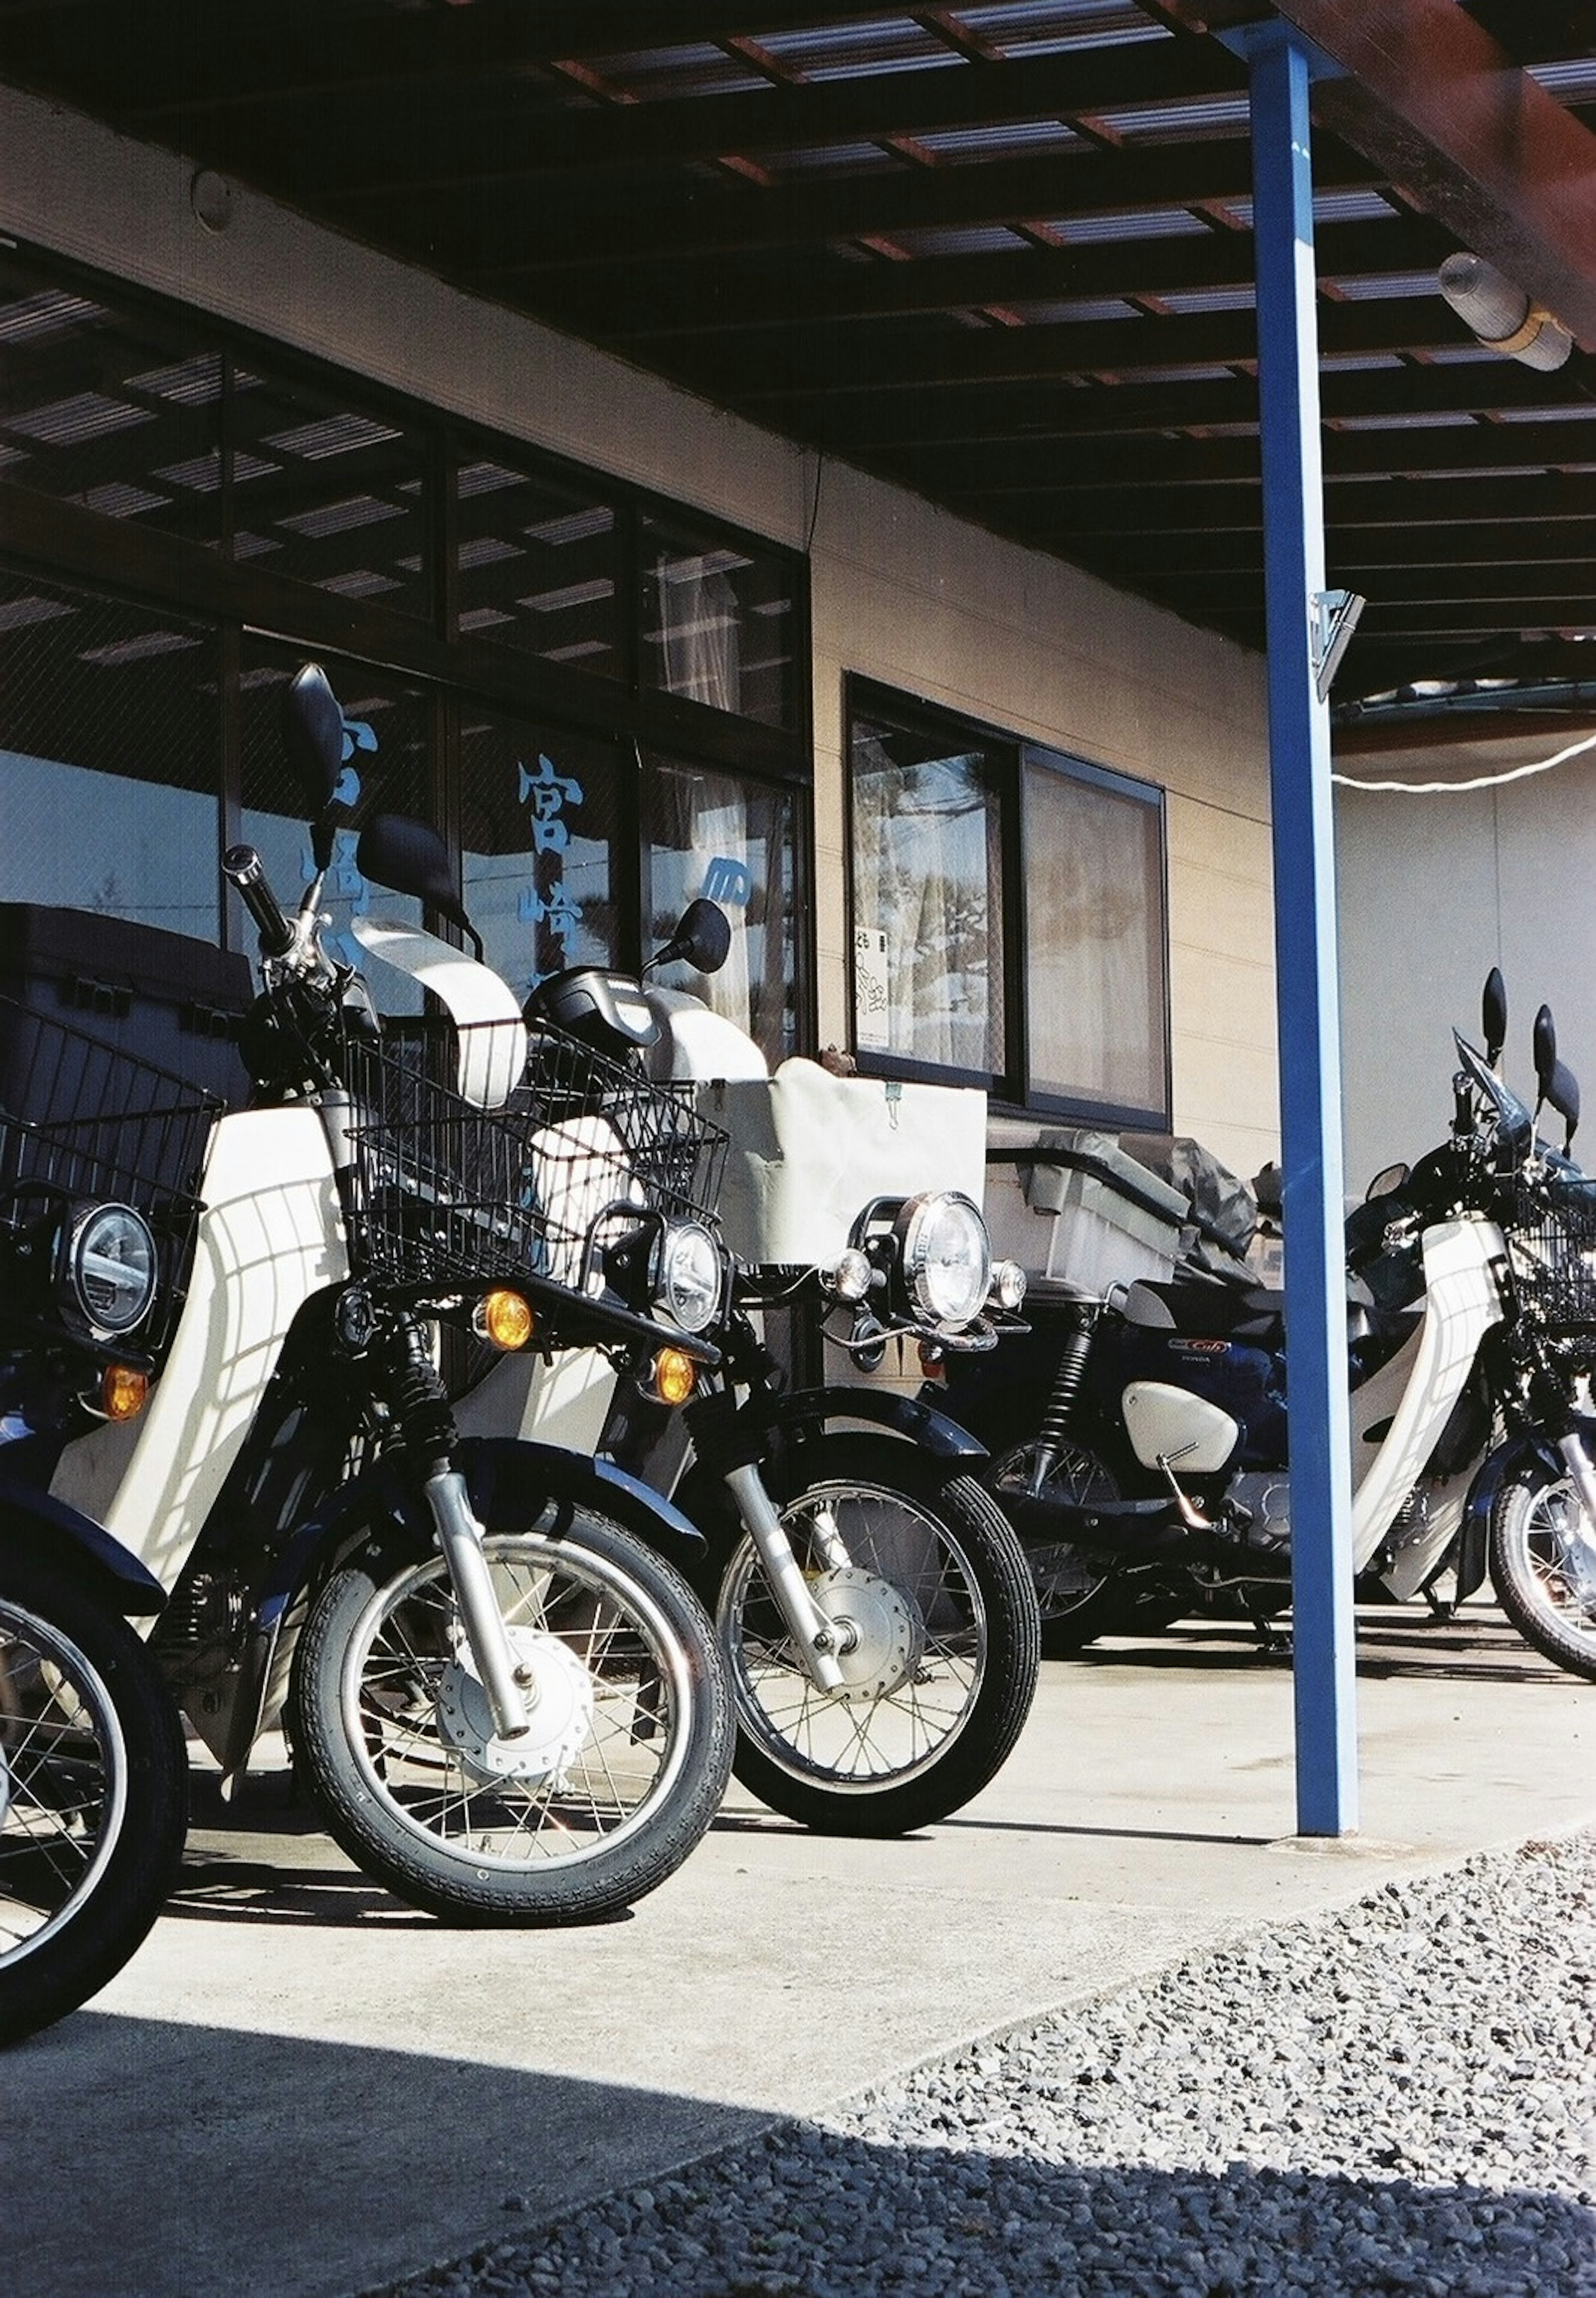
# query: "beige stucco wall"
(901, 592)
(1433, 890)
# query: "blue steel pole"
(1321, 1572)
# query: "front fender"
(1534, 1450)
(925, 1425)
(45, 1523)
(508, 1481)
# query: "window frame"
(1009, 1087)
(243, 600)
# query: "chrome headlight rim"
(110, 1269)
(688, 1276)
(924, 1275)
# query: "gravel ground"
(1400, 2096)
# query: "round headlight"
(947, 1261)
(849, 1280)
(1008, 1283)
(111, 1267)
(687, 1282)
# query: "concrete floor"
(298, 2088)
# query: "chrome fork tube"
(460, 1536)
(1582, 1475)
(812, 1633)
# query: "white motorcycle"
(508, 1705)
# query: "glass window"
(328, 494)
(537, 833)
(1094, 938)
(386, 752)
(712, 834)
(718, 623)
(535, 566)
(928, 897)
(1059, 1000)
(110, 750)
(119, 415)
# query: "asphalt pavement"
(299, 2088)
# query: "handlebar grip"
(241, 866)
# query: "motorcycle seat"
(1246, 1312)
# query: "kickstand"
(1271, 1641)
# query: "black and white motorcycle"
(97, 1154)
(873, 1608)
(508, 1703)
(1140, 1438)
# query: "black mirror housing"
(702, 938)
(313, 736)
(409, 857)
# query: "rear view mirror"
(409, 857)
(313, 735)
(1545, 1043)
(702, 940)
(1558, 1086)
(1494, 1014)
(1387, 1184)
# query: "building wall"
(902, 592)
(1436, 889)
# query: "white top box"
(810, 1150)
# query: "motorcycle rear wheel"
(1082, 1595)
(944, 1666)
(1544, 1571)
(93, 1794)
(631, 1738)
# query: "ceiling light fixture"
(1502, 316)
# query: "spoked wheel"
(93, 1785)
(936, 1635)
(623, 1767)
(1082, 1595)
(1543, 1568)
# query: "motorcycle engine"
(1267, 1498)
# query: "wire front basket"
(81, 1121)
(577, 1153)
(1552, 1242)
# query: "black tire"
(955, 1647)
(93, 1793)
(1082, 1595)
(1543, 1573)
(381, 1715)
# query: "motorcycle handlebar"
(241, 865)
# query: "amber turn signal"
(505, 1319)
(122, 1392)
(674, 1376)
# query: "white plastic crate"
(810, 1150)
(1099, 1219)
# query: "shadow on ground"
(170, 2161)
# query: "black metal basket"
(1551, 1243)
(84, 1122)
(580, 1153)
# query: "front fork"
(1582, 1475)
(424, 1427)
(813, 1634)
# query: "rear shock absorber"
(1059, 1411)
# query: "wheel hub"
(879, 1633)
(559, 1701)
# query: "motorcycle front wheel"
(94, 1789)
(620, 1774)
(938, 1637)
(1542, 1555)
